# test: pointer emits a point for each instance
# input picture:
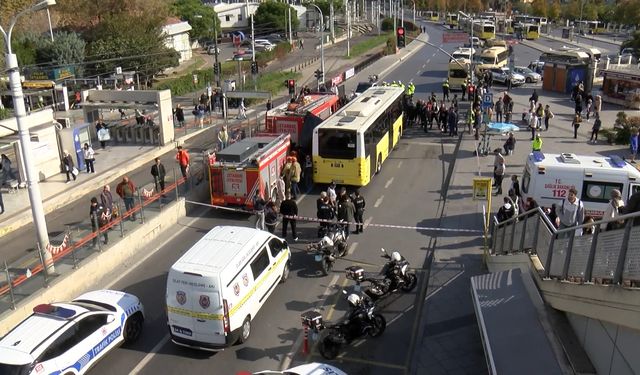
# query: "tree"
(274, 16)
(539, 8)
(554, 10)
(67, 49)
(202, 18)
(85, 15)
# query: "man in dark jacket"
(100, 217)
(633, 205)
(325, 212)
(346, 213)
(158, 172)
(289, 208)
(359, 203)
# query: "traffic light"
(291, 85)
(254, 67)
(217, 68)
(400, 37)
(318, 73)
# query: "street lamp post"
(321, 44)
(215, 47)
(15, 86)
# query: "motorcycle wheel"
(328, 348)
(410, 282)
(379, 323)
(342, 248)
(327, 266)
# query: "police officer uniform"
(359, 203)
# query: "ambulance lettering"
(557, 189)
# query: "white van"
(215, 289)
(548, 177)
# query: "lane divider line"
(389, 182)
(379, 201)
(400, 164)
(150, 355)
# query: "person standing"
(106, 198)
(223, 138)
(99, 218)
(182, 157)
(614, 208)
(536, 145)
(346, 214)
(158, 172)
(271, 216)
(242, 110)
(286, 174)
(539, 115)
(597, 105)
(498, 174)
(1, 203)
(359, 203)
(452, 119)
(597, 124)
(515, 186)
(325, 212)
(5, 167)
(179, 113)
(499, 109)
(289, 210)
(69, 166)
(89, 157)
(269, 105)
(633, 144)
(578, 105)
(102, 131)
(571, 212)
(576, 124)
(445, 89)
(258, 208)
(506, 211)
(548, 115)
(331, 193)
(126, 190)
(296, 172)
(463, 86)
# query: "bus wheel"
(379, 164)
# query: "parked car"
(502, 74)
(313, 368)
(244, 54)
(70, 337)
(537, 66)
(211, 50)
(529, 75)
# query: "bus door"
(370, 150)
(389, 120)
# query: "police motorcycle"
(360, 321)
(332, 246)
(395, 276)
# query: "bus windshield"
(337, 143)
(488, 60)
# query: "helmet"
(395, 256)
(353, 299)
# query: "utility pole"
(290, 31)
(378, 17)
(331, 18)
(348, 28)
(253, 55)
(402, 13)
(215, 54)
(393, 14)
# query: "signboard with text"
(455, 37)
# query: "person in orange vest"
(182, 157)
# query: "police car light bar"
(538, 156)
(52, 310)
(617, 161)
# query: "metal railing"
(25, 276)
(602, 257)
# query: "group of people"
(69, 166)
(424, 114)
(342, 207)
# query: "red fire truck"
(301, 117)
(238, 172)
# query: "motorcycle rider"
(359, 203)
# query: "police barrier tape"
(316, 220)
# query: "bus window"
(338, 144)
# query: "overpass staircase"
(588, 285)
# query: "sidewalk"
(118, 160)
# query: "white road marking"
(286, 361)
(352, 248)
(428, 60)
(368, 221)
(400, 164)
(379, 201)
(388, 183)
(151, 354)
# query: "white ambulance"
(215, 289)
(547, 178)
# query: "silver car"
(502, 74)
(529, 75)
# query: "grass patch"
(368, 45)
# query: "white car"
(313, 368)
(70, 337)
(502, 74)
(529, 75)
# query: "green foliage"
(25, 46)
(539, 8)
(281, 50)
(324, 5)
(554, 10)
(634, 42)
(67, 49)
(621, 131)
(369, 45)
(387, 24)
(5, 113)
(202, 18)
(271, 15)
(390, 48)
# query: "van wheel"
(245, 330)
(285, 273)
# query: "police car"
(313, 368)
(67, 338)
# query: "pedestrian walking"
(597, 105)
(158, 172)
(258, 208)
(359, 203)
(597, 124)
(589, 105)
(223, 138)
(102, 131)
(577, 119)
(510, 144)
(463, 86)
(533, 123)
(578, 107)
(548, 115)
(498, 173)
(242, 110)
(633, 144)
(182, 157)
(515, 186)
(536, 144)
(106, 198)
(271, 216)
(269, 105)
(179, 113)
(89, 157)
(533, 99)
(539, 115)
(346, 214)
(289, 211)
(6, 170)
(126, 190)
(69, 167)
(506, 211)
(100, 217)
(613, 210)
(499, 106)
(571, 212)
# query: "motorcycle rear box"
(355, 273)
(312, 319)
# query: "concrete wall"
(613, 349)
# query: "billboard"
(455, 37)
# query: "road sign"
(455, 37)
(487, 100)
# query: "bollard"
(305, 344)
(10, 284)
(73, 248)
(120, 213)
(175, 179)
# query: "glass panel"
(518, 236)
(544, 241)
(607, 252)
(631, 270)
(580, 256)
(560, 246)
(529, 234)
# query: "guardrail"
(601, 257)
(79, 241)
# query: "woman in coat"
(67, 162)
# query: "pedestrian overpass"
(580, 292)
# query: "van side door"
(264, 274)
